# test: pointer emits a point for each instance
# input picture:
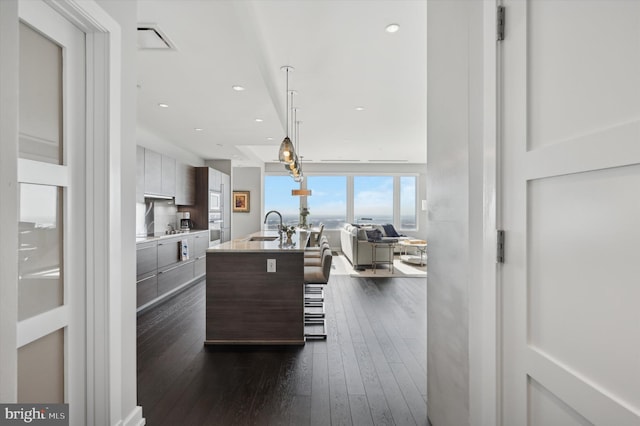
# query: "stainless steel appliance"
(215, 227)
(215, 200)
(211, 210)
(184, 219)
(216, 217)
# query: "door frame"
(103, 181)
(485, 364)
(484, 298)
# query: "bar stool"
(316, 250)
(314, 258)
(316, 241)
(314, 278)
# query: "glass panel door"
(51, 321)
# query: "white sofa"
(356, 247)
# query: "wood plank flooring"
(371, 370)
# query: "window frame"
(350, 193)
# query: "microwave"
(215, 201)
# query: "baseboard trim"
(135, 418)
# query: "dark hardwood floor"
(371, 370)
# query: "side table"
(389, 261)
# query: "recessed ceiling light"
(163, 105)
(392, 28)
(198, 129)
(359, 108)
(269, 138)
(259, 120)
(237, 88)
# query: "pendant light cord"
(287, 101)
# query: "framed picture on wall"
(241, 201)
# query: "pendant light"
(293, 167)
(287, 152)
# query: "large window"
(277, 196)
(408, 208)
(373, 199)
(328, 202)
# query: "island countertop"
(263, 241)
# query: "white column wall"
(454, 194)
(125, 13)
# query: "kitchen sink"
(265, 238)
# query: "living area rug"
(341, 266)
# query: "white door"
(570, 208)
(51, 156)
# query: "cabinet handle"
(144, 279)
(175, 267)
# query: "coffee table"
(420, 247)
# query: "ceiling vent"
(150, 36)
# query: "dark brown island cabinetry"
(255, 292)
(161, 270)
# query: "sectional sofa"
(355, 245)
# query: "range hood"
(158, 197)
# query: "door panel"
(40, 97)
(41, 263)
(41, 370)
(603, 88)
(583, 275)
(570, 155)
(547, 409)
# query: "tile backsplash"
(154, 215)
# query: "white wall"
(224, 166)
(454, 188)
(247, 179)
(125, 13)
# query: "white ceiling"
(342, 56)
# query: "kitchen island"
(254, 292)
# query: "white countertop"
(245, 244)
(149, 238)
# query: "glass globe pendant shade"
(287, 152)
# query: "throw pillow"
(374, 235)
(390, 231)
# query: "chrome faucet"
(279, 226)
